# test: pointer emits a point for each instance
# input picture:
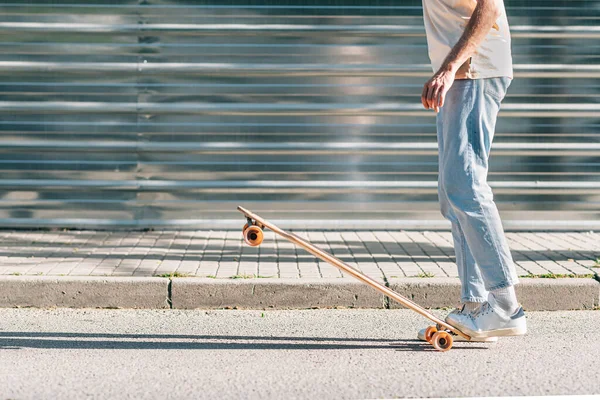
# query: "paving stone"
(326, 270)
(122, 272)
(288, 270)
(390, 269)
(268, 269)
(207, 269)
(248, 268)
(188, 267)
(227, 269)
(520, 270)
(308, 265)
(390, 245)
(448, 268)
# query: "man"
(469, 48)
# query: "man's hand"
(434, 91)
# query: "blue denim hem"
(503, 285)
(473, 299)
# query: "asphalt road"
(283, 354)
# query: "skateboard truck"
(440, 335)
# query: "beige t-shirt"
(445, 22)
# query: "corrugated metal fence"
(153, 113)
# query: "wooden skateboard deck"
(439, 336)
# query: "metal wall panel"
(153, 113)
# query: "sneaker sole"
(496, 332)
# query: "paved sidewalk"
(222, 254)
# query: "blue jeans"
(465, 129)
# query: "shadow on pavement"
(74, 341)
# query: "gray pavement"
(335, 354)
(222, 254)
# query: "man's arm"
(484, 17)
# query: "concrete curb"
(534, 294)
(539, 294)
(559, 294)
(83, 292)
(262, 293)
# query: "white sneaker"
(487, 321)
(458, 314)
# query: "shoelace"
(460, 310)
(482, 310)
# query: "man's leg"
(472, 287)
(470, 112)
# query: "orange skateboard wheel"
(442, 341)
(253, 235)
(246, 226)
(429, 332)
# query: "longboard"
(439, 336)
